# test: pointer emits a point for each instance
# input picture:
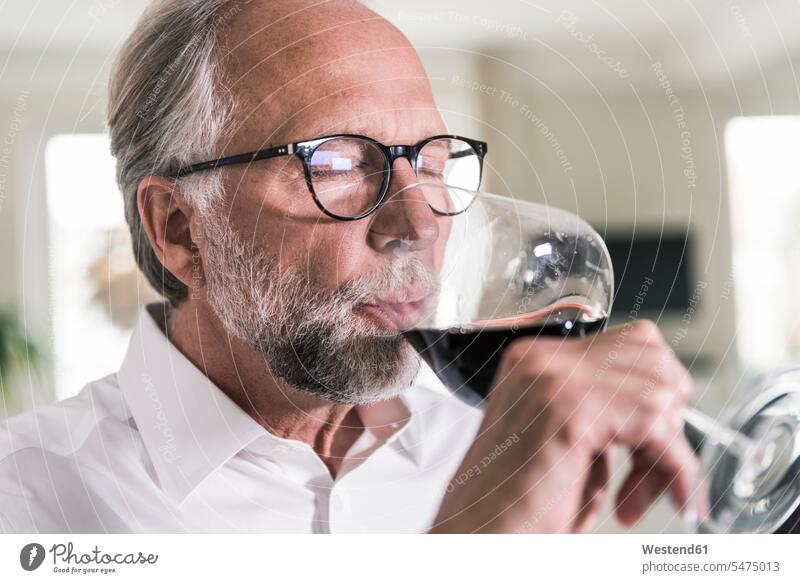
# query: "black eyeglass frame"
(305, 150)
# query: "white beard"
(310, 338)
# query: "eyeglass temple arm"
(461, 154)
(479, 147)
(285, 150)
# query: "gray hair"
(167, 109)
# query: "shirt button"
(279, 452)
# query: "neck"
(241, 373)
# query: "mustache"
(408, 273)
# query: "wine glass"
(505, 268)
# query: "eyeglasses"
(348, 175)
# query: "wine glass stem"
(738, 443)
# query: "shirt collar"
(426, 393)
(190, 427)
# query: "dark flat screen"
(651, 270)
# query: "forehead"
(332, 68)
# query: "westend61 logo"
(66, 560)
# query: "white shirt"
(157, 447)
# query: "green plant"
(16, 347)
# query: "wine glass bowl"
(509, 268)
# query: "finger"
(663, 458)
(594, 491)
(680, 462)
(658, 468)
(639, 333)
(650, 366)
(590, 514)
(641, 488)
(642, 413)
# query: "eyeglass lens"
(348, 174)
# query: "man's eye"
(289, 174)
(336, 167)
(350, 171)
(431, 169)
(328, 173)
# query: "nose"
(405, 221)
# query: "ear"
(167, 221)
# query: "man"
(272, 393)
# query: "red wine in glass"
(466, 359)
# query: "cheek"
(328, 252)
(334, 254)
(279, 218)
(439, 247)
(270, 198)
(287, 225)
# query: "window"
(764, 181)
(96, 289)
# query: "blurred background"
(672, 127)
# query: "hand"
(557, 409)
